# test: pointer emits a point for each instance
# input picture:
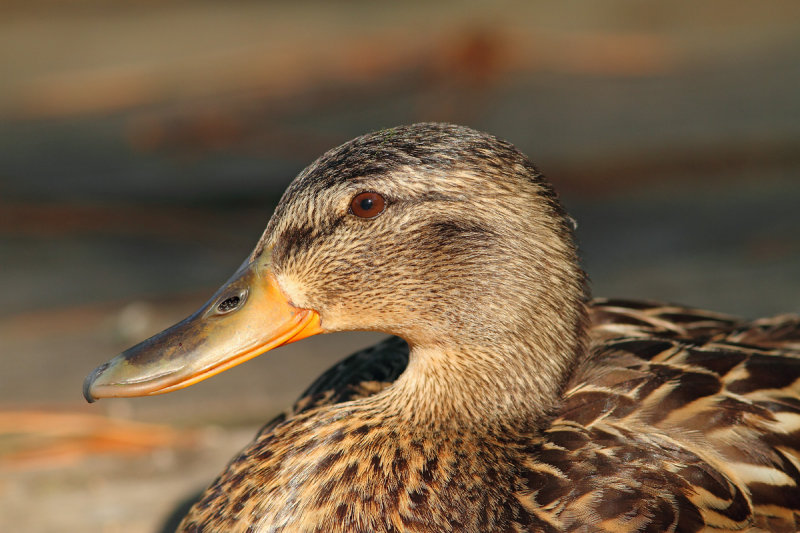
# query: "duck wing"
(614, 318)
(685, 420)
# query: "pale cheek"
(293, 290)
(334, 316)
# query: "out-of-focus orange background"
(143, 146)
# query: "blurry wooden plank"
(38, 439)
(98, 60)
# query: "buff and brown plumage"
(519, 406)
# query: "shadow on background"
(143, 147)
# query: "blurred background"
(143, 146)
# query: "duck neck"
(510, 380)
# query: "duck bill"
(248, 316)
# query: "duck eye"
(367, 205)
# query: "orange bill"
(248, 316)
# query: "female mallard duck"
(515, 405)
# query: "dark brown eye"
(367, 205)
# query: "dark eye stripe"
(367, 204)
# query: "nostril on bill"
(229, 304)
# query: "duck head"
(440, 234)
